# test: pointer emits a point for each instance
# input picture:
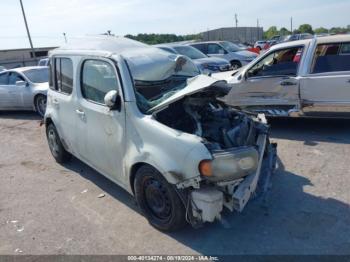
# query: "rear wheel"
(40, 104)
(158, 200)
(55, 145)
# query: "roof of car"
(320, 40)
(104, 45)
(22, 69)
(208, 42)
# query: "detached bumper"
(208, 202)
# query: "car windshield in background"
(40, 75)
(190, 52)
(231, 47)
(157, 76)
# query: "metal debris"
(101, 195)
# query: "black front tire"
(158, 200)
(57, 150)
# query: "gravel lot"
(46, 208)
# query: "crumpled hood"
(197, 84)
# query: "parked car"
(205, 63)
(260, 44)
(296, 37)
(43, 62)
(2, 68)
(24, 88)
(248, 48)
(151, 123)
(304, 78)
(237, 56)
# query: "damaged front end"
(242, 156)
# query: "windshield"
(39, 75)
(230, 47)
(158, 75)
(190, 52)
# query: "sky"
(48, 19)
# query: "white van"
(149, 122)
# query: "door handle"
(288, 83)
(55, 102)
(79, 112)
(348, 81)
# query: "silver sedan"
(24, 89)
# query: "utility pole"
(28, 33)
(291, 25)
(257, 28)
(65, 37)
(236, 20)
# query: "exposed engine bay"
(222, 127)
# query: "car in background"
(2, 68)
(308, 78)
(248, 47)
(43, 62)
(24, 88)
(295, 37)
(260, 44)
(236, 55)
(206, 64)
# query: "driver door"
(271, 82)
(101, 131)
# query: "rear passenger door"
(326, 89)
(101, 130)
(61, 101)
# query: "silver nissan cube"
(148, 121)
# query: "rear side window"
(201, 47)
(97, 79)
(63, 75)
(4, 79)
(331, 58)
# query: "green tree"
(271, 32)
(321, 30)
(284, 31)
(153, 39)
(306, 28)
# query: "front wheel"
(40, 104)
(158, 200)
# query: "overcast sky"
(48, 19)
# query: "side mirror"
(21, 83)
(112, 100)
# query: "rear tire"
(57, 150)
(158, 200)
(40, 104)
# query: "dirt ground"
(46, 208)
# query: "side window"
(331, 58)
(4, 79)
(279, 63)
(14, 77)
(97, 79)
(215, 49)
(201, 47)
(63, 75)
